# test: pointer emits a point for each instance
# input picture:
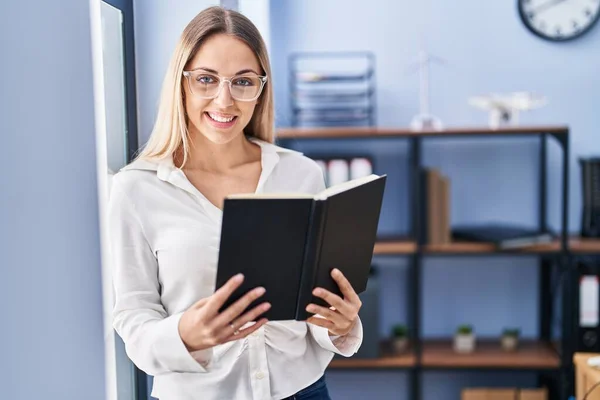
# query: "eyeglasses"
(241, 87)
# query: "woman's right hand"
(202, 326)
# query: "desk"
(586, 376)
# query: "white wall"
(52, 344)
(158, 25)
(258, 12)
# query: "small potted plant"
(399, 338)
(464, 339)
(510, 339)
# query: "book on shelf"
(504, 236)
(435, 192)
(289, 243)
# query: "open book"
(289, 243)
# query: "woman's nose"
(224, 98)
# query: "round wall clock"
(559, 20)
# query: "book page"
(342, 187)
(269, 196)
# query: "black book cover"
(289, 244)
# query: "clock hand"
(547, 5)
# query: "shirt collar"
(165, 166)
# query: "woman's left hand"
(340, 318)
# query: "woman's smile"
(220, 120)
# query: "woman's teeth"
(218, 118)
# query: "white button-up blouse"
(164, 242)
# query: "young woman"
(213, 136)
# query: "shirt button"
(259, 375)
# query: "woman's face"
(223, 118)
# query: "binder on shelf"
(588, 307)
(435, 193)
(590, 177)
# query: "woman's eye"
(206, 79)
(243, 82)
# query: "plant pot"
(464, 343)
(509, 343)
(399, 345)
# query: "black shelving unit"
(332, 88)
(552, 361)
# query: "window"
(117, 143)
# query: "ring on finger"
(235, 331)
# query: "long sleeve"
(151, 337)
(345, 345)
(348, 344)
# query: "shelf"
(389, 247)
(356, 132)
(576, 245)
(488, 248)
(405, 246)
(387, 360)
(439, 354)
(489, 354)
(584, 245)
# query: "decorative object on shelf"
(464, 339)
(590, 184)
(425, 120)
(399, 338)
(504, 108)
(559, 20)
(510, 339)
(332, 89)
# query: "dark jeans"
(316, 391)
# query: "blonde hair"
(170, 131)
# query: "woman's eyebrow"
(212, 71)
(247, 70)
